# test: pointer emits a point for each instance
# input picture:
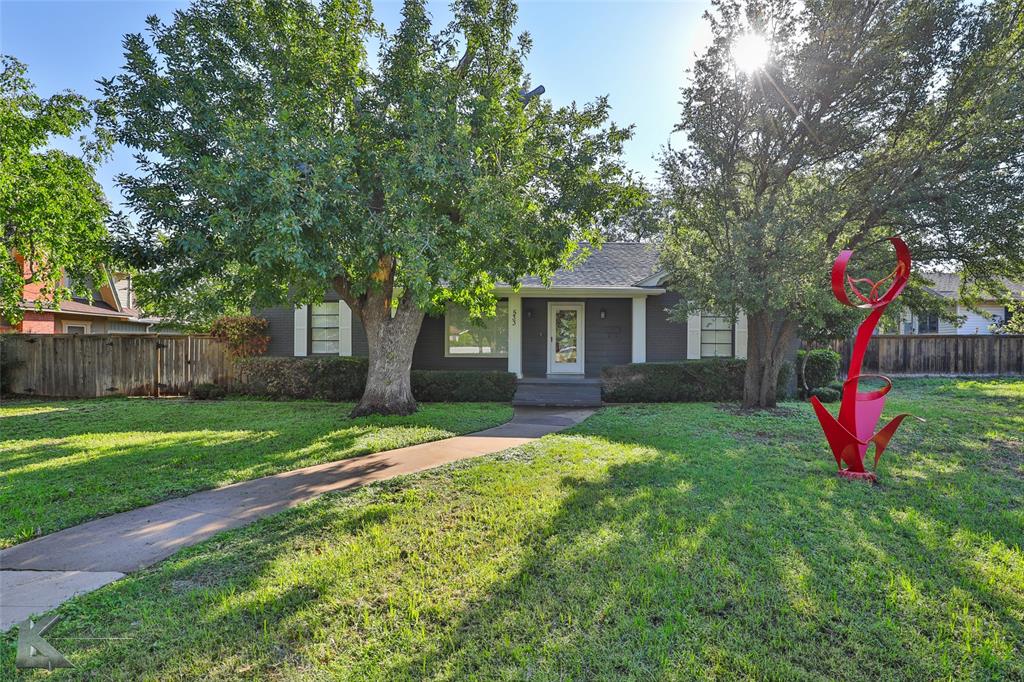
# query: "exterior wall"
(96, 325)
(35, 322)
(535, 330)
(281, 329)
(606, 342)
(429, 351)
(975, 322)
(666, 339)
(33, 290)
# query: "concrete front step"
(558, 393)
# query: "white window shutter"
(301, 331)
(693, 336)
(740, 349)
(344, 329)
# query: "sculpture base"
(858, 475)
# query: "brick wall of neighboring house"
(36, 322)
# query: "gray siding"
(666, 339)
(535, 324)
(429, 351)
(281, 329)
(606, 342)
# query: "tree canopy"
(52, 211)
(899, 117)
(277, 157)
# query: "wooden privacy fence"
(993, 355)
(87, 365)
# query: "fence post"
(156, 369)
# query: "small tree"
(52, 211)
(276, 159)
(857, 122)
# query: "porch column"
(515, 335)
(301, 331)
(639, 328)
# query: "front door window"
(565, 338)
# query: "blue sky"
(635, 52)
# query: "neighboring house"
(110, 309)
(985, 318)
(611, 309)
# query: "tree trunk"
(391, 340)
(769, 334)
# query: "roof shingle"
(615, 264)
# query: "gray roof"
(615, 264)
(947, 284)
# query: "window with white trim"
(487, 338)
(77, 327)
(324, 328)
(716, 338)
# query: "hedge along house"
(610, 309)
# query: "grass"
(62, 463)
(650, 542)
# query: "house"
(985, 318)
(610, 309)
(110, 309)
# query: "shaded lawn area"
(64, 462)
(651, 542)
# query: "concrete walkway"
(41, 574)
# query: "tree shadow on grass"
(668, 568)
(61, 472)
(693, 555)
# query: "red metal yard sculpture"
(859, 413)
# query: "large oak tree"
(277, 158)
(890, 117)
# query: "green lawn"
(651, 542)
(62, 463)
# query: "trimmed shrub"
(344, 378)
(242, 334)
(816, 368)
(334, 378)
(462, 386)
(826, 394)
(707, 380)
(207, 392)
(672, 382)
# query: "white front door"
(565, 338)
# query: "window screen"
(715, 336)
(324, 326)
